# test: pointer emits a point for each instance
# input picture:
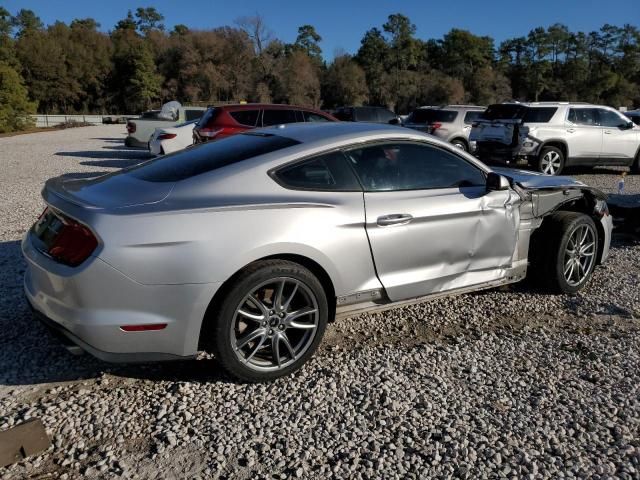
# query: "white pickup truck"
(141, 129)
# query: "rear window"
(427, 115)
(209, 116)
(538, 114)
(503, 112)
(344, 114)
(325, 172)
(472, 116)
(246, 117)
(192, 114)
(209, 156)
(365, 114)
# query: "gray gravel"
(504, 383)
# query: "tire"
(460, 144)
(552, 265)
(635, 166)
(248, 345)
(551, 161)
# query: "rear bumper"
(500, 154)
(88, 305)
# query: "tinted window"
(313, 117)
(246, 117)
(344, 114)
(502, 111)
(365, 114)
(429, 115)
(471, 117)
(538, 114)
(209, 116)
(326, 172)
(208, 156)
(385, 115)
(408, 166)
(277, 117)
(583, 116)
(192, 114)
(635, 117)
(607, 118)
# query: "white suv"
(550, 136)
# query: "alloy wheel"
(551, 163)
(579, 255)
(275, 324)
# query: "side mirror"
(496, 182)
(627, 126)
(394, 121)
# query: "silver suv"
(551, 136)
(451, 123)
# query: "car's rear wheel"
(551, 161)
(270, 322)
(563, 252)
(635, 166)
(460, 144)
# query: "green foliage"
(15, 106)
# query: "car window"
(538, 114)
(472, 116)
(430, 115)
(209, 116)
(277, 117)
(635, 118)
(410, 166)
(344, 114)
(246, 117)
(208, 156)
(192, 114)
(366, 114)
(607, 118)
(583, 116)
(325, 172)
(313, 117)
(503, 111)
(384, 115)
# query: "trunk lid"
(114, 190)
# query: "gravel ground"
(504, 383)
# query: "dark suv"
(227, 120)
(366, 114)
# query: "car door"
(619, 143)
(584, 136)
(432, 225)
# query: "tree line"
(138, 64)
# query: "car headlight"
(601, 209)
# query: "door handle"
(394, 219)
(571, 130)
(607, 132)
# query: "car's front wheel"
(270, 322)
(460, 144)
(564, 252)
(551, 161)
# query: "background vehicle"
(366, 114)
(249, 245)
(634, 115)
(551, 136)
(171, 139)
(451, 123)
(226, 120)
(140, 129)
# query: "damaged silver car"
(248, 246)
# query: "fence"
(53, 120)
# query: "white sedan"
(171, 139)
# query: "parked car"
(634, 116)
(550, 136)
(451, 123)
(367, 114)
(248, 246)
(226, 120)
(140, 129)
(171, 139)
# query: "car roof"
(270, 106)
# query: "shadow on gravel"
(109, 139)
(83, 175)
(113, 163)
(117, 154)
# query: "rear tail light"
(131, 127)
(209, 132)
(166, 136)
(436, 126)
(73, 243)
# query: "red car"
(226, 120)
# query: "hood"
(534, 180)
(114, 190)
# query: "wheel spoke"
(251, 316)
(261, 306)
(299, 313)
(303, 326)
(257, 333)
(570, 276)
(262, 339)
(277, 301)
(285, 307)
(275, 347)
(284, 339)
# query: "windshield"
(208, 156)
(430, 115)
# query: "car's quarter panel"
(456, 238)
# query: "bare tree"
(257, 30)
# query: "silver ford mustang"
(248, 246)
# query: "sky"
(342, 23)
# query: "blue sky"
(342, 23)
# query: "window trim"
(273, 173)
(583, 125)
(369, 143)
